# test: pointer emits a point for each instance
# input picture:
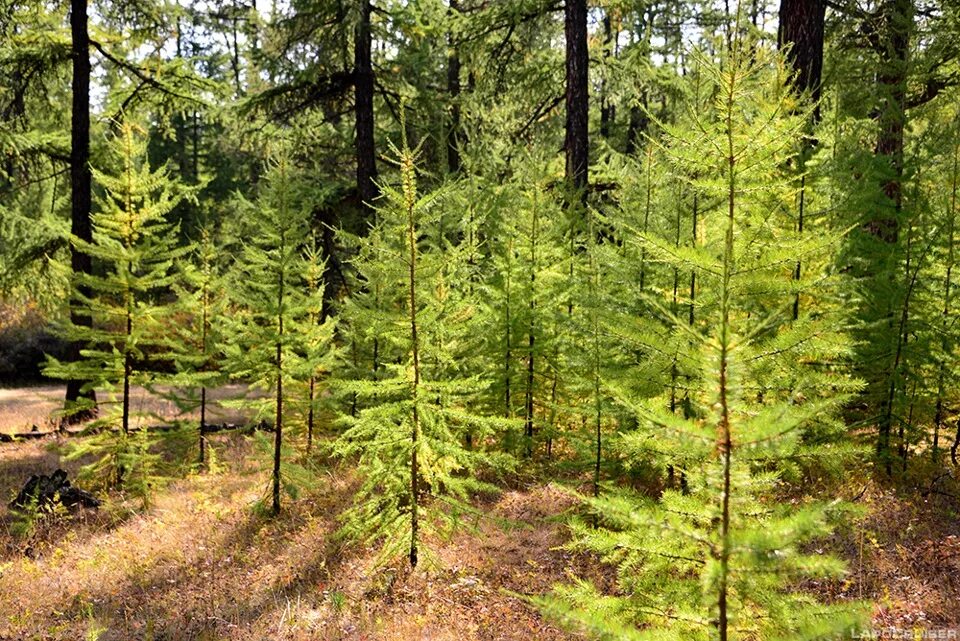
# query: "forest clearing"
(627, 320)
(22, 408)
(201, 564)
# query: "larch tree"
(194, 341)
(717, 559)
(408, 435)
(136, 246)
(274, 299)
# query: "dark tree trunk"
(454, 164)
(204, 333)
(313, 382)
(203, 425)
(415, 428)
(894, 48)
(363, 108)
(531, 341)
(606, 106)
(278, 425)
(575, 29)
(801, 34)
(892, 45)
(80, 178)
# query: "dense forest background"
(692, 261)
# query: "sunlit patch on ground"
(202, 563)
(22, 408)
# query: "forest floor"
(22, 408)
(201, 563)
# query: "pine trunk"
(801, 34)
(363, 108)
(80, 190)
(894, 49)
(577, 96)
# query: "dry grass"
(905, 555)
(200, 564)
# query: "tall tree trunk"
(894, 49)
(508, 356)
(531, 337)
(363, 108)
(80, 178)
(127, 364)
(801, 34)
(725, 437)
(454, 163)
(892, 43)
(606, 106)
(577, 97)
(204, 334)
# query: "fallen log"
(43, 492)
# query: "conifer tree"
(500, 303)
(592, 356)
(135, 246)
(315, 336)
(272, 305)
(194, 340)
(530, 294)
(409, 433)
(720, 559)
(949, 342)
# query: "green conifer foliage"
(594, 355)
(526, 299)
(275, 296)
(950, 329)
(194, 340)
(135, 247)
(721, 558)
(315, 338)
(409, 432)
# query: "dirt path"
(23, 407)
